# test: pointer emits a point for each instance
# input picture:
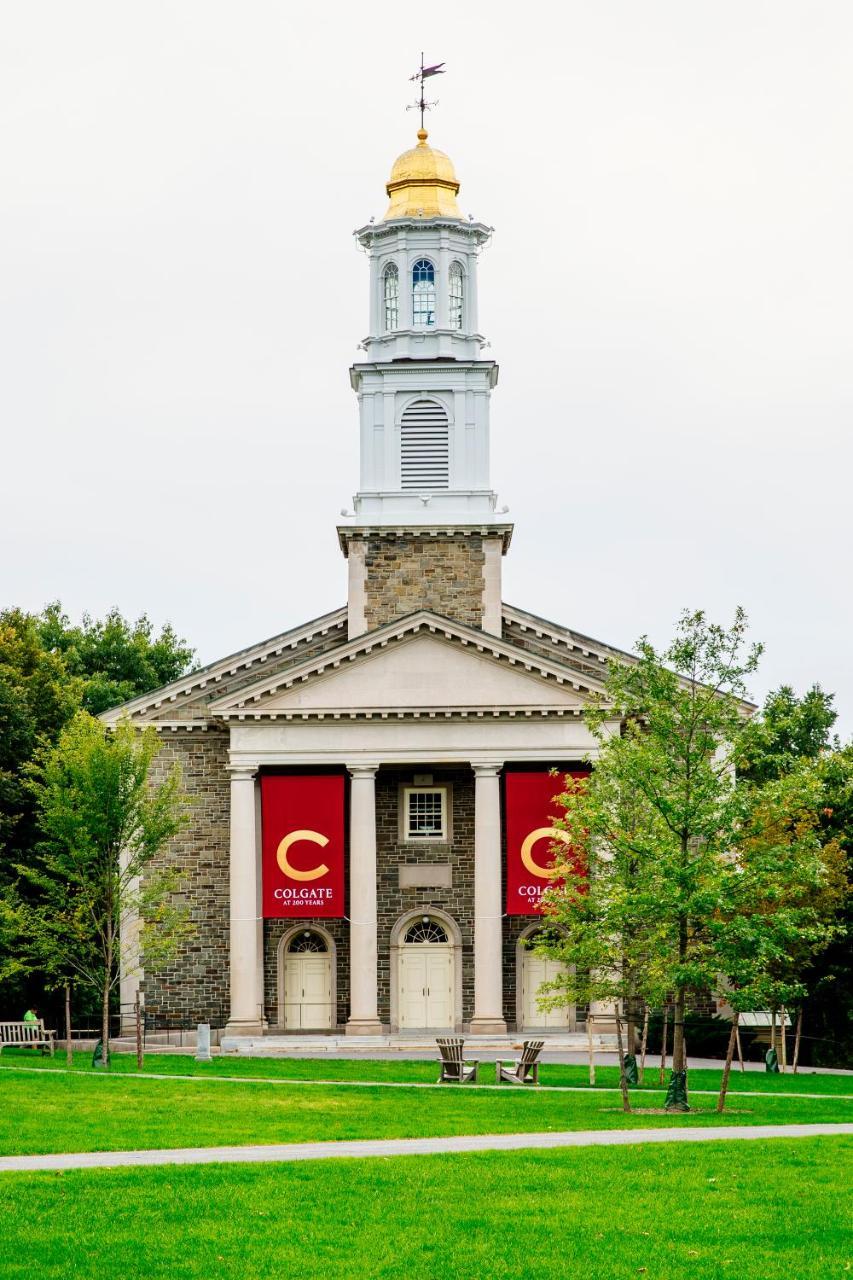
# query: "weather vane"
(423, 74)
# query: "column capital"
(487, 768)
(365, 770)
(242, 772)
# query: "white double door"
(426, 986)
(308, 991)
(534, 971)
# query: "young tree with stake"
(104, 824)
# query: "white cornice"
(243, 660)
(249, 701)
(347, 533)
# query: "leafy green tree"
(601, 920)
(37, 698)
(114, 659)
(103, 825)
(781, 892)
(49, 668)
(789, 731)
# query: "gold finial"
(422, 137)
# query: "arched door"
(308, 983)
(426, 977)
(535, 970)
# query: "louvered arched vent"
(424, 446)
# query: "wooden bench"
(29, 1034)
(454, 1070)
(525, 1070)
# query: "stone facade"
(274, 930)
(406, 572)
(195, 986)
(391, 853)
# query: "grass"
(763, 1209)
(84, 1111)
(404, 1070)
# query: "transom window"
(423, 292)
(307, 942)
(425, 813)
(456, 295)
(391, 292)
(426, 931)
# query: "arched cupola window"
(424, 446)
(391, 294)
(423, 292)
(456, 295)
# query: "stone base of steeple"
(455, 572)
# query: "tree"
(48, 669)
(103, 825)
(601, 925)
(781, 892)
(114, 659)
(789, 732)
(661, 801)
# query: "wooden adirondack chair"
(524, 1070)
(454, 1069)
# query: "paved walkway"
(410, 1146)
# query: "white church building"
(373, 807)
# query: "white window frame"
(405, 830)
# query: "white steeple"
(423, 389)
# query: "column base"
(487, 1027)
(255, 1027)
(363, 1027)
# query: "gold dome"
(423, 184)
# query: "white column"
(488, 908)
(246, 981)
(363, 1019)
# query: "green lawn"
(404, 1070)
(82, 1111)
(768, 1210)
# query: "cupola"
(423, 184)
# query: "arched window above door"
(426, 931)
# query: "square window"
(425, 813)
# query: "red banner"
(530, 836)
(303, 845)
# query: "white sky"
(668, 294)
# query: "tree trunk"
(784, 1040)
(663, 1044)
(589, 1043)
(724, 1083)
(797, 1039)
(105, 1019)
(678, 1032)
(643, 1044)
(140, 1059)
(623, 1079)
(69, 1055)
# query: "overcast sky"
(668, 294)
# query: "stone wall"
(404, 573)
(391, 853)
(195, 986)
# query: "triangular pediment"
(423, 663)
